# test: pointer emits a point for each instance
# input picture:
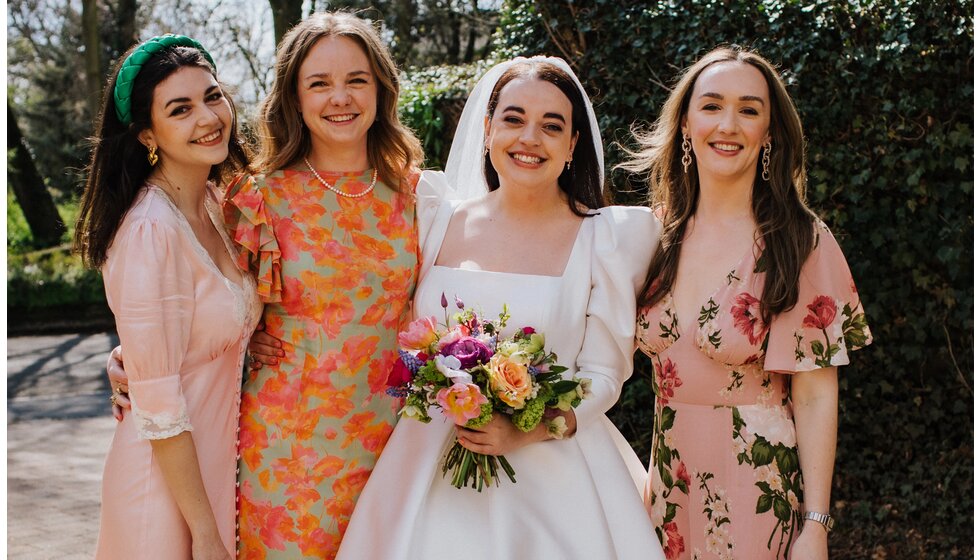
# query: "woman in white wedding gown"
(538, 239)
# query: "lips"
(209, 139)
(341, 118)
(725, 146)
(527, 158)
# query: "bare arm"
(177, 458)
(815, 412)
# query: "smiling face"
(338, 94)
(530, 134)
(191, 120)
(727, 121)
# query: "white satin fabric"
(579, 498)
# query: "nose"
(729, 121)
(209, 116)
(529, 136)
(340, 96)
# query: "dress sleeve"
(624, 241)
(250, 227)
(432, 190)
(151, 286)
(828, 320)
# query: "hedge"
(885, 91)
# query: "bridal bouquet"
(464, 369)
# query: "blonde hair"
(785, 224)
(283, 138)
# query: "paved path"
(58, 430)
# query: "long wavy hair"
(119, 168)
(582, 181)
(283, 138)
(785, 224)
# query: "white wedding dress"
(579, 498)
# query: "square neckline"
(568, 260)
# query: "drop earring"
(686, 158)
(151, 155)
(765, 160)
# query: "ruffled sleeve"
(828, 320)
(250, 227)
(624, 241)
(150, 286)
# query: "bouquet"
(463, 368)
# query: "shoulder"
(626, 224)
(151, 207)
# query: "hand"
(811, 544)
(264, 348)
(499, 437)
(118, 382)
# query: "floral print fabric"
(725, 479)
(337, 274)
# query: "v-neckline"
(690, 325)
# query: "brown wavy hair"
(119, 168)
(283, 138)
(785, 224)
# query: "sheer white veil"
(464, 169)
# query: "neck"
(185, 185)
(530, 201)
(339, 159)
(725, 201)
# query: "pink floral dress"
(337, 275)
(725, 479)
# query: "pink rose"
(528, 330)
(682, 474)
(748, 317)
(461, 402)
(468, 350)
(510, 380)
(667, 380)
(419, 335)
(823, 310)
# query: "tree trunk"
(93, 46)
(285, 14)
(34, 199)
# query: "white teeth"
(341, 118)
(209, 138)
(527, 159)
(726, 147)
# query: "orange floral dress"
(725, 479)
(337, 275)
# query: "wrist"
(824, 520)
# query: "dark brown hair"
(285, 140)
(119, 167)
(785, 224)
(582, 182)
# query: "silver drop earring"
(765, 160)
(686, 158)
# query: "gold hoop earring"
(686, 158)
(765, 160)
(152, 156)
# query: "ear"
(684, 125)
(571, 147)
(486, 132)
(146, 138)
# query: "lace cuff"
(163, 425)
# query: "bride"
(519, 218)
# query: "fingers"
(474, 441)
(264, 349)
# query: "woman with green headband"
(151, 220)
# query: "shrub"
(885, 91)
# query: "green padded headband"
(131, 67)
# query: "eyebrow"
(742, 98)
(556, 116)
(188, 99)
(349, 74)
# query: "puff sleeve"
(625, 238)
(828, 320)
(250, 227)
(150, 287)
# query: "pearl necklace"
(374, 181)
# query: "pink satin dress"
(185, 328)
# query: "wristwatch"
(822, 518)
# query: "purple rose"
(468, 350)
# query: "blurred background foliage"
(885, 91)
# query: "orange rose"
(510, 380)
